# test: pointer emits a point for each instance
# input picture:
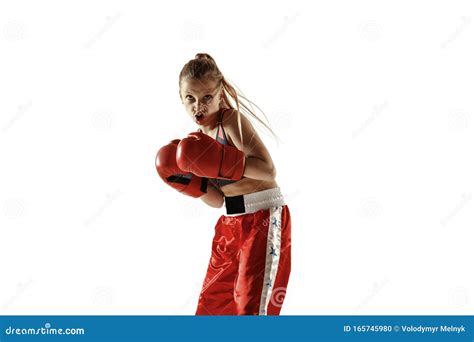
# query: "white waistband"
(264, 199)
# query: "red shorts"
(251, 258)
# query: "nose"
(199, 106)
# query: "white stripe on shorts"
(272, 259)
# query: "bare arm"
(257, 168)
(258, 162)
(214, 197)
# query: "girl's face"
(201, 98)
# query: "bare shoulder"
(251, 145)
(231, 126)
(229, 118)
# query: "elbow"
(218, 204)
(213, 200)
(214, 204)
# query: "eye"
(189, 98)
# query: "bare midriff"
(247, 186)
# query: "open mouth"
(199, 116)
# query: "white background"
(372, 100)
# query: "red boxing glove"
(205, 157)
(184, 182)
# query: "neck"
(212, 122)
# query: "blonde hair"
(204, 67)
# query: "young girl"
(226, 162)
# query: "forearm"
(259, 169)
(213, 197)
